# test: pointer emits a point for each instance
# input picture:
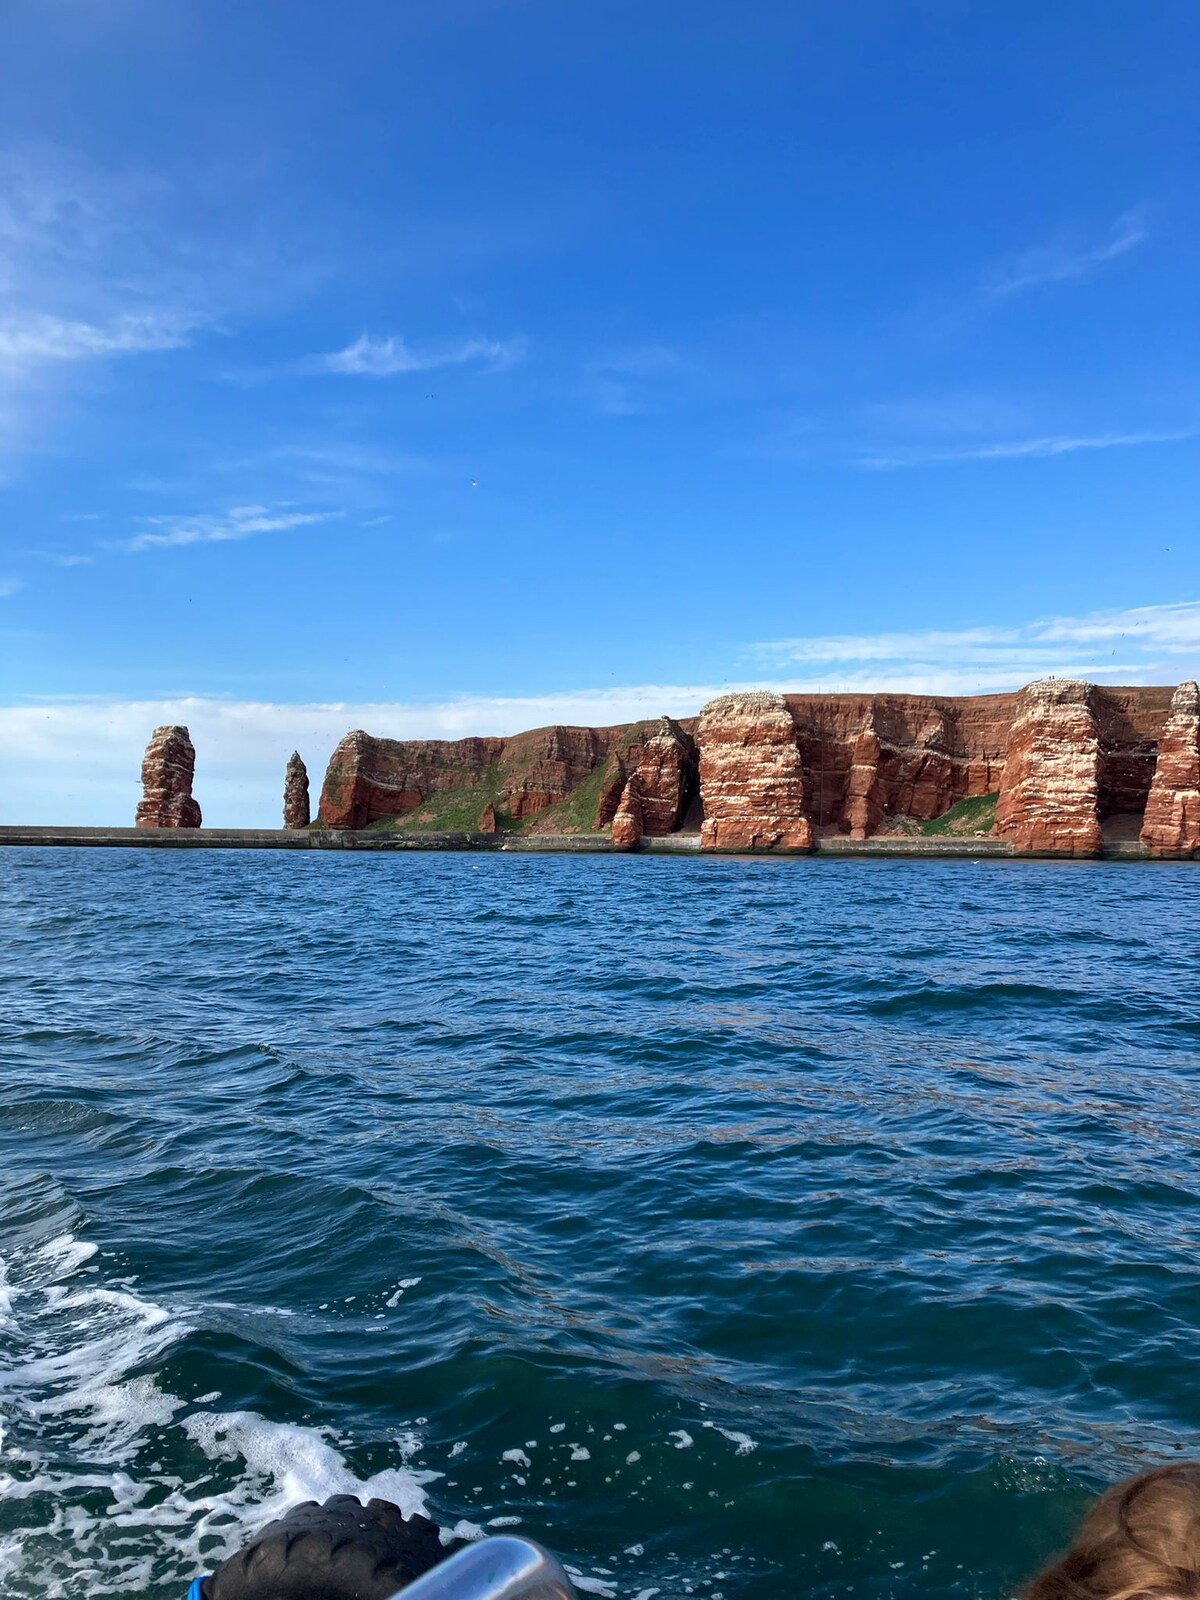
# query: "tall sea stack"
(167, 771)
(295, 793)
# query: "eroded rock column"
(168, 768)
(296, 812)
(751, 776)
(628, 824)
(1171, 825)
(1050, 791)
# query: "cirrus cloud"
(386, 358)
(240, 522)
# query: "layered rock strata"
(369, 778)
(628, 824)
(295, 793)
(870, 760)
(752, 776)
(770, 772)
(168, 769)
(1171, 825)
(1050, 791)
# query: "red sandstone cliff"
(1171, 825)
(370, 778)
(167, 771)
(870, 759)
(775, 767)
(769, 771)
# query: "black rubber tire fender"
(341, 1550)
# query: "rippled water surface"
(745, 1227)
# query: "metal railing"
(501, 1568)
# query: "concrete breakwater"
(373, 840)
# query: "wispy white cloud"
(386, 358)
(1066, 257)
(1041, 448)
(73, 561)
(241, 522)
(1135, 643)
(10, 586)
(37, 337)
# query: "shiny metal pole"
(501, 1568)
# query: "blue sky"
(454, 368)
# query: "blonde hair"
(1140, 1541)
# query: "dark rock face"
(1171, 825)
(628, 824)
(295, 793)
(168, 768)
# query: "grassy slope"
(967, 819)
(576, 813)
(453, 810)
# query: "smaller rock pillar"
(296, 812)
(627, 822)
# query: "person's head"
(1140, 1541)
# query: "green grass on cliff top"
(967, 819)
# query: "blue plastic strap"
(194, 1590)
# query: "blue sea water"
(739, 1227)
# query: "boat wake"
(109, 1483)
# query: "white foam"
(517, 1457)
(88, 1436)
(592, 1585)
(743, 1440)
(683, 1439)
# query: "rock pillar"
(168, 768)
(1050, 791)
(752, 775)
(628, 823)
(295, 793)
